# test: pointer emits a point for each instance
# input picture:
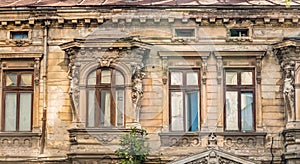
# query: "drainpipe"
(44, 117)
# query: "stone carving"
(212, 141)
(219, 69)
(105, 138)
(73, 75)
(258, 70)
(19, 42)
(36, 71)
(289, 91)
(243, 142)
(109, 57)
(105, 61)
(213, 158)
(184, 142)
(204, 69)
(137, 87)
(287, 55)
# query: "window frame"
(18, 90)
(98, 88)
(240, 89)
(13, 33)
(184, 88)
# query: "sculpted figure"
(289, 94)
(137, 87)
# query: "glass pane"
(19, 35)
(10, 112)
(105, 108)
(25, 112)
(247, 111)
(105, 76)
(11, 79)
(120, 107)
(177, 111)
(231, 78)
(232, 111)
(192, 78)
(26, 79)
(176, 78)
(119, 78)
(192, 103)
(246, 78)
(91, 109)
(92, 78)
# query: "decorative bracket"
(204, 69)
(219, 69)
(165, 70)
(258, 69)
(36, 71)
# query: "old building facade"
(210, 81)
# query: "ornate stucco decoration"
(288, 54)
(109, 57)
(18, 42)
(213, 157)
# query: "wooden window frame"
(239, 88)
(17, 89)
(113, 100)
(184, 88)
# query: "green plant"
(134, 147)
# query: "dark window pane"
(176, 78)
(105, 108)
(185, 32)
(26, 79)
(246, 78)
(192, 111)
(177, 111)
(10, 112)
(105, 76)
(119, 78)
(91, 109)
(25, 112)
(11, 79)
(19, 35)
(231, 78)
(239, 32)
(192, 78)
(232, 111)
(247, 111)
(120, 107)
(92, 78)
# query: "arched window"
(105, 98)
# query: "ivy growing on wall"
(134, 147)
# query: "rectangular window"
(19, 34)
(239, 108)
(185, 33)
(18, 99)
(184, 100)
(239, 32)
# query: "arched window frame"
(113, 90)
